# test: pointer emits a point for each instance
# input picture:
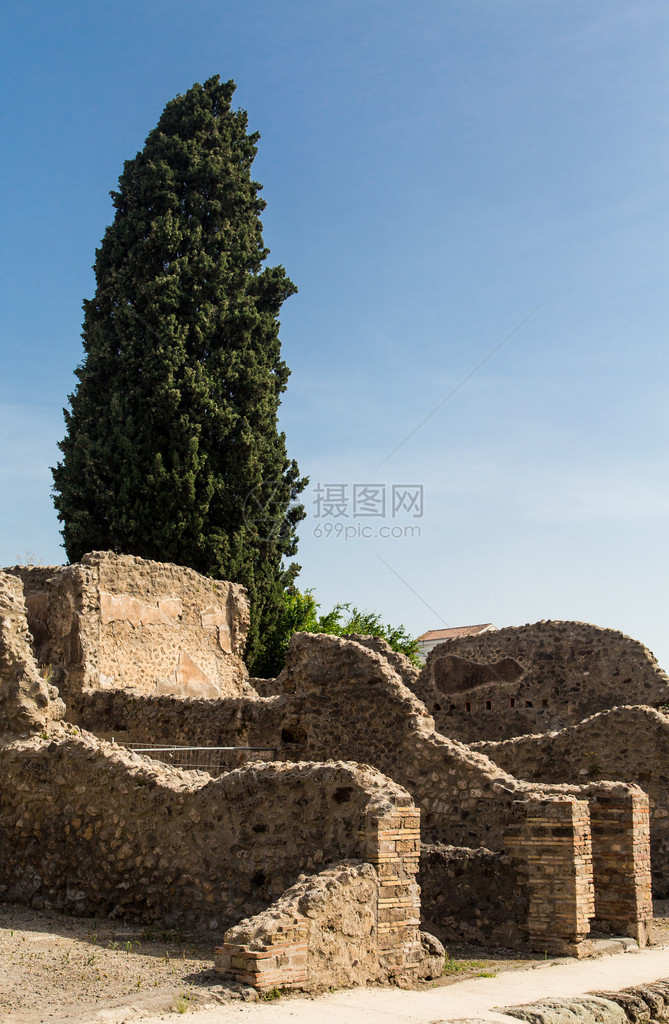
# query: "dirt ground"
(58, 968)
(55, 968)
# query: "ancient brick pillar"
(282, 948)
(393, 847)
(552, 838)
(621, 862)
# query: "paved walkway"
(475, 998)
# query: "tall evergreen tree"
(172, 450)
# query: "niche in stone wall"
(453, 675)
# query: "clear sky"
(436, 172)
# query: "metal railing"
(214, 760)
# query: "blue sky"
(435, 173)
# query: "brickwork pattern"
(393, 846)
(280, 962)
(555, 844)
(620, 826)
(349, 924)
(627, 744)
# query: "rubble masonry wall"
(88, 828)
(629, 744)
(535, 678)
(28, 703)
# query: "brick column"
(279, 955)
(553, 840)
(621, 862)
(393, 847)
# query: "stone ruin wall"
(534, 679)
(272, 948)
(468, 893)
(88, 827)
(120, 622)
(468, 800)
(628, 744)
(349, 920)
(342, 700)
(28, 702)
(345, 702)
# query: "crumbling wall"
(406, 670)
(348, 698)
(28, 703)
(322, 932)
(232, 721)
(535, 678)
(629, 744)
(337, 928)
(34, 580)
(120, 622)
(345, 701)
(88, 828)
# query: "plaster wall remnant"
(28, 703)
(120, 622)
(535, 678)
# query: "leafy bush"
(301, 615)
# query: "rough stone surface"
(88, 827)
(582, 1010)
(346, 701)
(406, 670)
(28, 703)
(120, 622)
(469, 894)
(641, 1004)
(323, 932)
(326, 925)
(535, 678)
(629, 744)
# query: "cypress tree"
(172, 450)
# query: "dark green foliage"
(172, 450)
(300, 615)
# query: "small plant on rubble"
(181, 1002)
(272, 993)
